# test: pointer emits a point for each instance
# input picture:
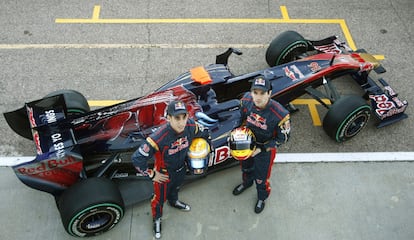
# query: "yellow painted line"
(379, 57)
(284, 12)
(311, 103)
(299, 101)
(103, 103)
(193, 20)
(314, 115)
(347, 34)
(96, 12)
(285, 19)
(307, 101)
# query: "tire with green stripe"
(346, 118)
(285, 48)
(76, 103)
(91, 207)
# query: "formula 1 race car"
(83, 155)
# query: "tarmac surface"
(308, 201)
(124, 49)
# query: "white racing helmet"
(198, 156)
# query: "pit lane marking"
(312, 107)
(287, 157)
(284, 12)
(95, 19)
(285, 19)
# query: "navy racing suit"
(169, 150)
(271, 127)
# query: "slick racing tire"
(91, 207)
(76, 103)
(285, 48)
(346, 118)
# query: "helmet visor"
(241, 145)
(198, 163)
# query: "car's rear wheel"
(76, 103)
(91, 207)
(285, 48)
(346, 118)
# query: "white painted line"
(122, 46)
(292, 157)
(344, 157)
(13, 161)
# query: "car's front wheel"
(91, 207)
(346, 118)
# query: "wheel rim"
(358, 118)
(356, 126)
(95, 220)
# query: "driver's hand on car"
(159, 177)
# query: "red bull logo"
(257, 120)
(260, 82)
(290, 74)
(178, 145)
(61, 171)
(221, 154)
(179, 106)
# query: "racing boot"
(181, 206)
(157, 228)
(240, 188)
(260, 204)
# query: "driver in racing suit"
(169, 145)
(269, 122)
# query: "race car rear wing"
(58, 161)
